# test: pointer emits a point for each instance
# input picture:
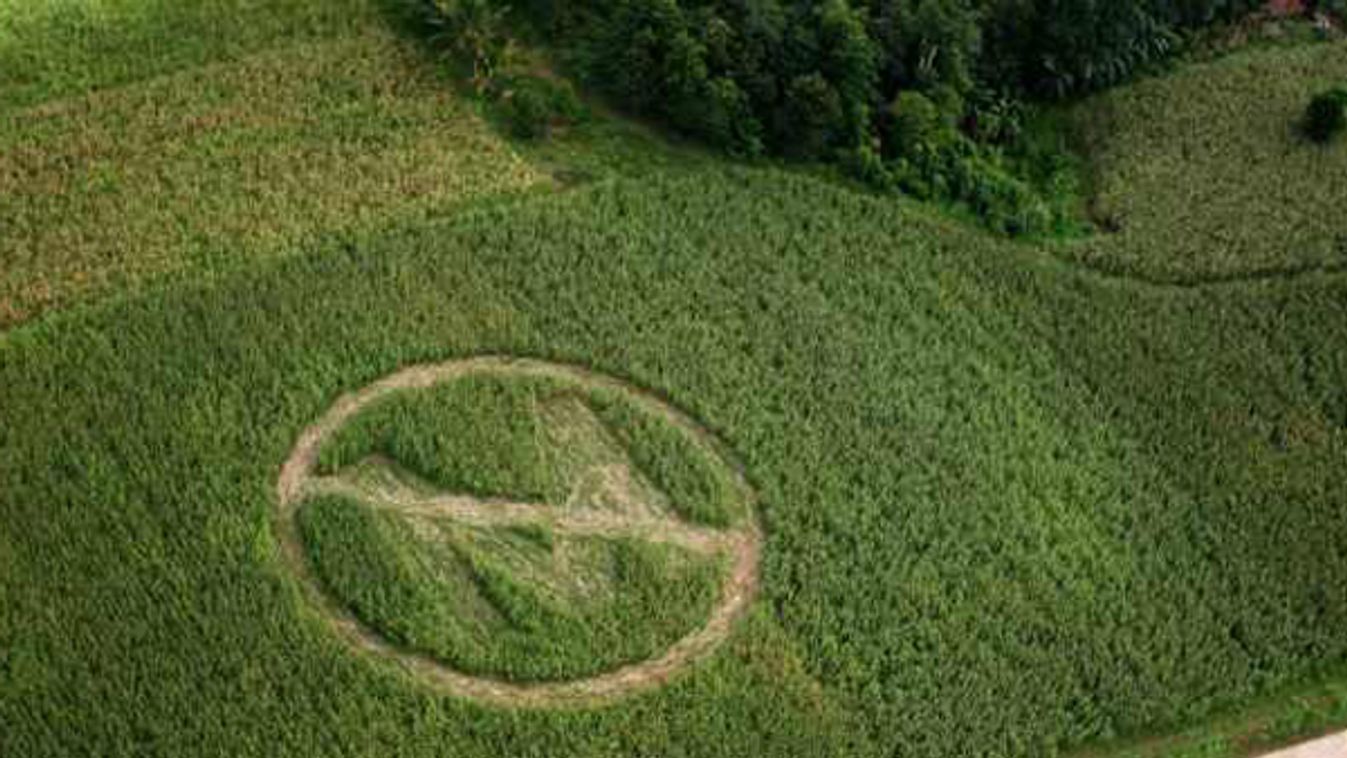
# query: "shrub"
(527, 113)
(1326, 116)
(475, 29)
(925, 44)
(867, 165)
(996, 118)
(812, 116)
(916, 123)
(532, 105)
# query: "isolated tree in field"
(1326, 116)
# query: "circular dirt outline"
(743, 542)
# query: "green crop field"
(231, 162)
(1205, 177)
(880, 482)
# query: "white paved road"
(1333, 746)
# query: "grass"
(479, 435)
(220, 166)
(1012, 507)
(496, 603)
(1206, 176)
(980, 473)
(536, 440)
(698, 490)
(53, 49)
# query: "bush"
(1057, 48)
(527, 113)
(914, 125)
(1326, 116)
(532, 105)
(926, 44)
(475, 29)
(812, 117)
(868, 166)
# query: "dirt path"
(742, 543)
(471, 511)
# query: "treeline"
(804, 77)
(926, 96)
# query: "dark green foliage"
(807, 73)
(915, 124)
(1054, 48)
(1326, 116)
(927, 44)
(848, 61)
(528, 113)
(533, 106)
(841, 79)
(795, 79)
(1333, 8)
(1023, 192)
(812, 115)
(477, 31)
(997, 118)
(1191, 14)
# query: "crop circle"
(645, 510)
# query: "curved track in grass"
(743, 544)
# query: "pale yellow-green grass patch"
(231, 163)
(64, 48)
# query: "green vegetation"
(1012, 506)
(1204, 174)
(497, 603)
(802, 76)
(52, 49)
(1326, 116)
(532, 440)
(698, 490)
(840, 80)
(223, 165)
(981, 474)
(534, 105)
(478, 434)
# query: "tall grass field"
(1077, 497)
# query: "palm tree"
(476, 29)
